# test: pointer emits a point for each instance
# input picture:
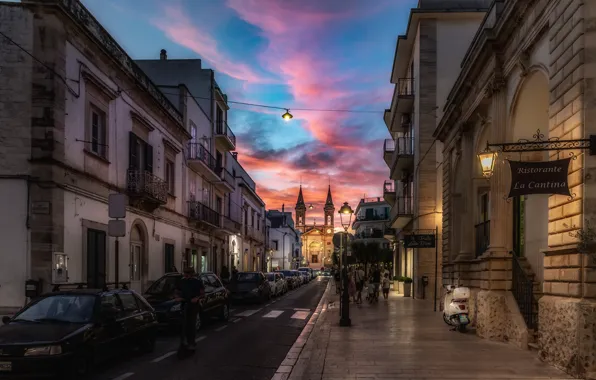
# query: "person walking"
(189, 290)
(352, 286)
(359, 279)
(376, 279)
(386, 285)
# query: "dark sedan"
(250, 286)
(161, 296)
(65, 333)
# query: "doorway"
(138, 262)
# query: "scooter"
(184, 351)
(455, 307)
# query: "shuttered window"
(96, 258)
(169, 258)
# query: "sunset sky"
(323, 54)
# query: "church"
(317, 239)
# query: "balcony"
(254, 234)
(403, 157)
(482, 237)
(388, 150)
(389, 233)
(371, 234)
(202, 161)
(202, 214)
(389, 191)
(226, 180)
(230, 225)
(146, 190)
(402, 212)
(224, 135)
(387, 118)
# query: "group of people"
(358, 280)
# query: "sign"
(116, 228)
(419, 241)
(117, 206)
(543, 177)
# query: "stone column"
(466, 167)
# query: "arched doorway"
(138, 258)
(529, 113)
(315, 250)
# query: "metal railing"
(522, 288)
(403, 206)
(389, 187)
(379, 216)
(405, 86)
(371, 200)
(482, 237)
(200, 212)
(142, 182)
(389, 146)
(227, 177)
(374, 234)
(196, 151)
(404, 146)
(231, 224)
(222, 128)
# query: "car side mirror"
(5, 320)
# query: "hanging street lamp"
(487, 162)
(345, 215)
(287, 116)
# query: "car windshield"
(270, 277)
(164, 285)
(286, 272)
(71, 308)
(247, 277)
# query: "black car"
(250, 286)
(65, 333)
(161, 296)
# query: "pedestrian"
(189, 290)
(359, 278)
(386, 285)
(336, 279)
(234, 271)
(352, 286)
(225, 273)
(376, 279)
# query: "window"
(207, 284)
(170, 175)
(140, 154)
(98, 131)
(135, 262)
(315, 259)
(219, 116)
(218, 204)
(214, 281)
(275, 244)
(128, 302)
(169, 258)
(96, 258)
(192, 187)
(218, 160)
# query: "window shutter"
(133, 160)
(149, 158)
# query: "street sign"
(419, 241)
(117, 206)
(116, 228)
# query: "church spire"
(300, 203)
(329, 201)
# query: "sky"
(294, 54)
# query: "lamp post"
(345, 215)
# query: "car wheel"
(225, 312)
(147, 345)
(198, 321)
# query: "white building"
(370, 224)
(284, 241)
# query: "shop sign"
(543, 177)
(419, 241)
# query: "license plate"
(463, 319)
(5, 366)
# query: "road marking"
(200, 339)
(273, 314)
(300, 315)
(162, 357)
(247, 313)
(221, 328)
(122, 377)
(297, 309)
(236, 320)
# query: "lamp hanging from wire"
(287, 116)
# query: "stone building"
(527, 75)
(317, 239)
(284, 240)
(425, 65)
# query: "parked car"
(284, 282)
(66, 333)
(298, 274)
(309, 271)
(275, 283)
(250, 286)
(292, 281)
(216, 302)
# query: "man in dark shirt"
(376, 279)
(189, 290)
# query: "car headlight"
(175, 308)
(46, 350)
(255, 290)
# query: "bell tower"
(329, 211)
(300, 212)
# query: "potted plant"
(399, 283)
(407, 287)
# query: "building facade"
(317, 240)
(284, 241)
(74, 131)
(527, 76)
(370, 225)
(426, 62)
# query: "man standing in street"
(359, 278)
(189, 291)
(376, 277)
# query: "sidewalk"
(400, 339)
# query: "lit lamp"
(345, 215)
(487, 162)
(287, 116)
(310, 206)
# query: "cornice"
(94, 80)
(142, 121)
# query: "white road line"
(273, 314)
(236, 320)
(162, 357)
(221, 328)
(247, 313)
(200, 339)
(300, 315)
(297, 309)
(125, 376)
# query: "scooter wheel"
(446, 320)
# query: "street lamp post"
(345, 214)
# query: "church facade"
(317, 239)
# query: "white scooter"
(455, 307)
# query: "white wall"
(284, 254)
(14, 256)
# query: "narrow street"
(251, 345)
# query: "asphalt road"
(250, 346)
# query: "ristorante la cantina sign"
(544, 177)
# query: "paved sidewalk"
(401, 339)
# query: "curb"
(286, 367)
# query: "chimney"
(163, 55)
(283, 213)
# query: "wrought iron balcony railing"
(366, 218)
(144, 183)
(482, 237)
(404, 146)
(405, 87)
(196, 151)
(231, 224)
(404, 206)
(389, 187)
(202, 213)
(223, 129)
